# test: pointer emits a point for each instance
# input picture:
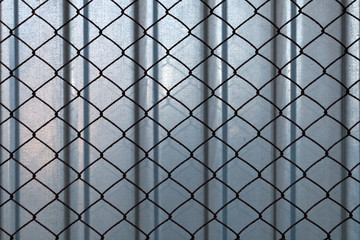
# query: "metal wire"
(140, 114)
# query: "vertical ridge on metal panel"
(67, 111)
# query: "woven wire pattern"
(132, 53)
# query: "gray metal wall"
(80, 157)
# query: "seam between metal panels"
(86, 113)
(67, 112)
(274, 129)
(137, 99)
(293, 87)
(15, 129)
(224, 96)
(206, 121)
(156, 117)
(344, 119)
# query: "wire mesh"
(132, 12)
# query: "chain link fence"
(67, 67)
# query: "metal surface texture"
(179, 119)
